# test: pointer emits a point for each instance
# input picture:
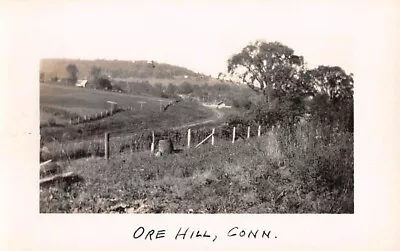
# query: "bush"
(185, 88)
(104, 83)
(242, 103)
(117, 87)
(51, 122)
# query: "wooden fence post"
(152, 142)
(234, 134)
(106, 146)
(188, 138)
(248, 132)
(212, 137)
(259, 131)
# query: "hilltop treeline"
(236, 95)
(114, 68)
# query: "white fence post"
(188, 138)
(248, 132)
(152, 143)
(212, 137)
(234, 135)
(259, 131)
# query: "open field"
(67, 102)
(276, 173)
(128, 122)
(84, 101)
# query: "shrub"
(104, 83)
(51, 122)
(242, 103)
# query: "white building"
(223, 105)
(81, 83)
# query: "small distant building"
(217, 105)
(223, 105)
(81, 83)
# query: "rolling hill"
(124, 70)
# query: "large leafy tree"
(72, 73)
(331, 81)
(333, 99)
(94, 77)
(275, 71)
(268, 68)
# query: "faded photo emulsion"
(157, 119)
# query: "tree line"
(289, 90)
(116, 68)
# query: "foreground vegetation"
(285, 171)
(304, 164)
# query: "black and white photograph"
(199, 125)
(192, 109)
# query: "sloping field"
(88, 101)
(61, 103)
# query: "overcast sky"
(198, 36)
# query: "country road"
(218, 114)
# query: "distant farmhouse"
(81, 83)
(218, 105)
(223, 105)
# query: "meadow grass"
(127, 122)
(284, 171)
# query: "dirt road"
(218, 115)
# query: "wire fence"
(139, 142)
(75, 119)
(181, 139)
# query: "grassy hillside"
(84, 101)
(117, 69)
(127, 122)
(277, 173)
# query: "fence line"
(98, 116)
(75, 119)
(147, 140)
(204, 140)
